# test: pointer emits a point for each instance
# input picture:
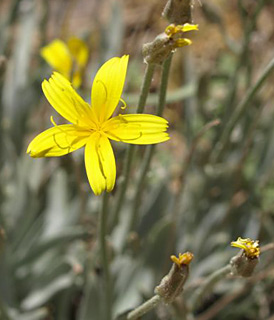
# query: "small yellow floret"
(182, 42)
(250, 247)
(175, 34)
(173, 29)
(184, 258)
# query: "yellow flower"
(175, 33)
(250, 247)
(184, 258)
(92, 126)
(68, 58)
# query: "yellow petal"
(137, 129)
(108, 86)
(79, 51)
(100, 163)
(189, 27)
(65, 100)
(58, 56)
(238, 245)
(182, 42)
(58, 141)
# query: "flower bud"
(244, 263)
(172, 284)
(158, 50)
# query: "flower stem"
(104, 256)
(130, 151)
(207, 286)
(163, 86)
(145, 87)
(150, 149)
(144, 308)
(239, 112)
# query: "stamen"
(59, 146)
(124, 139)
(140, 135)
(113, 135)
(60, 128)
(53, 122)
(64, 132)
(124, 104)
(122, 118)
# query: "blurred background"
(201, 192)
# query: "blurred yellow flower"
(92, 126)
(250, 247)
(68, 58)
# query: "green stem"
(163, 86)
(144, 308)
(239, 112)
(3, 312)
(145, 87)
(130, 151)
(208, 285)
(150, 149)
(186, 91)
(104, 257)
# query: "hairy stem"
(144, 308)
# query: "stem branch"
(207, 286)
